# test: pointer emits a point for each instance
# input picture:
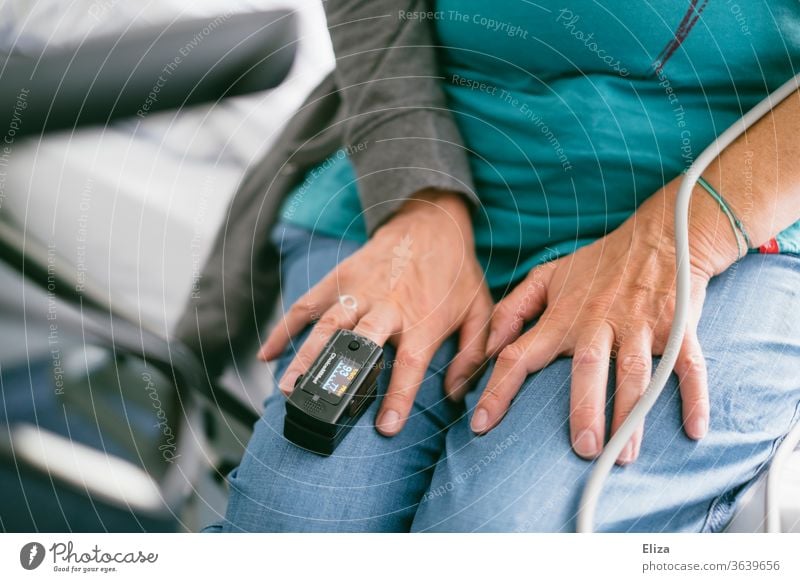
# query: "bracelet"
(736, 224)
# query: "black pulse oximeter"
(334, 392)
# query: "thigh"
(523, 476)
(370, 483)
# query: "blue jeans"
(523, 476)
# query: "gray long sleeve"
(400, 135)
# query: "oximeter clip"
(335, 391)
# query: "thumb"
(525, 302)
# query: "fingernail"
(627, 453)
(389, 422)
(491, 343)
(286, 384)
(698, 427)
(480, 420)
(586, 443)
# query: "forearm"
(759, 174)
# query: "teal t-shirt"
(574, 116)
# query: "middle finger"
(587, 397)
(634, 365)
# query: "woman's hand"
(612, 300)
(414, 283)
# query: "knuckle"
(372, 325)
(599, 305)
(303, 308)
(633, 364)
(696, 406)
(643, 287)
(693, 364)
(590, 355)
(471, 359)
(303, 359)
(622, 411)
(325, 327)
(411, 359)
(695, 398)
(504, 310)
(584, 415)
(328, 321)
(299, 307)
(492, 395)
(399, 399)
(511, 355)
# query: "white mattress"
(137, 213)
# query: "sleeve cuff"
(409, 151)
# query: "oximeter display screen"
(340, 377)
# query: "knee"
(371, 483)
(280, 487)
(505, 481)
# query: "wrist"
(715, 241)
(713, 244)
(444, 211)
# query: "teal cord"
(736, 224)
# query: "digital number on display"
(341, 377)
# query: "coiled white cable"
(605, 462)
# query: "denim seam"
(714, 509)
